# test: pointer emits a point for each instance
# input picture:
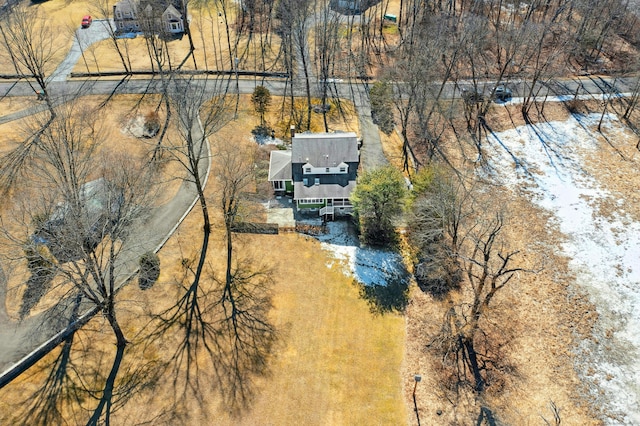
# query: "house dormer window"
(343, 170)
(307, 169)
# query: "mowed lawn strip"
(340, 363)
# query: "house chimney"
(293, 131)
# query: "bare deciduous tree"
(474, 256)
(83, 206)
(26, 36)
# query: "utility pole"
(236, 61)
(417, 378)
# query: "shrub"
(382, 106)
(149, 270)
(151, 124)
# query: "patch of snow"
(266, 140)
(369, 266)
(566, 98)
(604, 251)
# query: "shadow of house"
(76, 226)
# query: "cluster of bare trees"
(477, 46)
(464, 259)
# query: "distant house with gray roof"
(320, 170)
(150, 16)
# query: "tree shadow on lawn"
(386, 298)
(38, 284)
(74, 380)
(45, 404)
(223, 337)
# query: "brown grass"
(210, 42)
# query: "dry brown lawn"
(10, 105)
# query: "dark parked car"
(472, 96)
(86, 21)
(502, 93)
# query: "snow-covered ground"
(604, 251)
(367, 265)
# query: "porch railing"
(328, 210)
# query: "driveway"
(84, 37)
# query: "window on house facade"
(343, 170)
(311, 201)
(307, 170)
(278, 185)
(316, 181)
(327, 170)
(305, 181)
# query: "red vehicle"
(86, 21)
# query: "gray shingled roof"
(325, 149)
(322, 191)
(280, 165)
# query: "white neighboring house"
(149, 15)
